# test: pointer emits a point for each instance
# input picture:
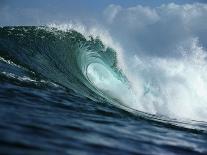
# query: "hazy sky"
(30, 12)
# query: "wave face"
(67, 58)
(162, 87)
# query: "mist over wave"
(165, 54)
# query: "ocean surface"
(64, 93)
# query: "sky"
(30, 12)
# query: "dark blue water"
(40, 116)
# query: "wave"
(150, 87)
(67, 58)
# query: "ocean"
(63, 92)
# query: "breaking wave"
(174, 88)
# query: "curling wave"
(67, 58)
(90, 68)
